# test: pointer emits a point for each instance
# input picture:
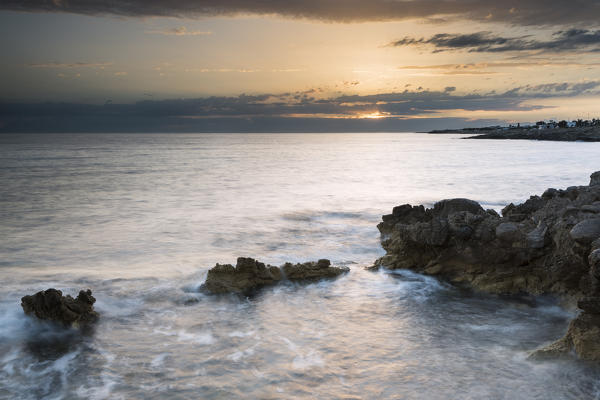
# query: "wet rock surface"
(246, 275)
(250, 274)
(51, 305)
(548, 244)
(312, 270)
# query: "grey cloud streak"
(486, 42)
(523, 12)
(290, 112)
(71, 65)
(484, 67)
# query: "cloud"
(282, 112)
(71, 65)
(223, 70)
(486, 42)
(520, 12)
(485, 67)
(180, 31)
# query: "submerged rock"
(51, 305)
(250, 274)
(548, 244)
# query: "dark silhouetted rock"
(51, 305)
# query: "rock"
(595, 179)
(250, 274)
(593, 208)
(550, 244)
(520, 212)
(51, 305)
(590, 305)
(582, 338)
(559, 349)
(312, 270)
(594, 261)
(433, 232)
(536, 239)
(508, 232)
(549, 193)
(446, 207)
(586, 231)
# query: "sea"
(140, 218)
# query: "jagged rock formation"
(549, 244)
(246, 275)
(51, 305)
(250, 274)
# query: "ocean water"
(139, 219)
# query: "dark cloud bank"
(480, 42)
(522, 12)
(295, 112)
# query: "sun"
(373, 115)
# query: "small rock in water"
(250, 274)
(51, 305)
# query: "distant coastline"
(590, 133)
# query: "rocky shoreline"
(548, 245)
(587, 134)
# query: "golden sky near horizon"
(95, 56)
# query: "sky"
(316, 65)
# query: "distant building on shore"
(541, 125)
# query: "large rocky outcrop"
(548, 244)
(250, 274)
(51, 305)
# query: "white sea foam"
(182, 335)
(118, 307)
(238, 355)
(305, 358)
(309, 360)
(99, 392)
(240, 334)
(198, 338)
(159, 360)
(12, 322)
